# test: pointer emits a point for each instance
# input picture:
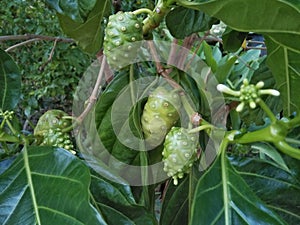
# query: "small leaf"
(209, 58)
(272, 153)
(46, 185)
(10, 82)
(76, 10)
(223, 197)
(182, 22)
(225, 66)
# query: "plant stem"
(202, 127)
(143, 10)
(267, 110)
(287, 149)
(92, 99)
(186, 105)
(292, 141)
(152, 21)
(255, 136)
(226, 195)
(295, 122)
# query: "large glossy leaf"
(183, 21)
(176, 200)
(46, 185)
(76, 10)
(223, 197)
(175, 208)
(279, 188)
(267, 17)
(89, 33)
(10, 82)
(117, 204)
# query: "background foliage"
(45, 83)
(250, 182)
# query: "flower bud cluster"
(249, 94)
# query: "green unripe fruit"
(52, 119)
(160, 113)
(180, 152)
(54, 137)
(123, 28)
(50, 129)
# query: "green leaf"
(285, 65)
(10, 82)
(279, 188)
(267, 17)
(183, 21)
(89, 34)
(232, 39)
(225, 66)
(209, 58)
(46, 185)
(176, 204)
(76, 10)
(117, 204)
(223, 197)
(271, 152)
(260, 16)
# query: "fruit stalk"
(160, 11)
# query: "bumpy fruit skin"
(123, 28)
(49, 129)
(160, 113)
(180, 152)
(52, 119)
(55, 137)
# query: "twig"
(21, 44)
(160, 70)
(50, 56)
(34, 36)
(197, 49)
(93, 97)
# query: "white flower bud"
(223, 88)
(240, 107)
(260, 84)
(269, 92)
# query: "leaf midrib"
(30, 184)
(5, 85)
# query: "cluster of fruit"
(122, 33)
(50, 128)
(159, 117)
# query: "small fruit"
(55, 137)
(123, 28)
(160, 114)
(52, 119)
(50, 129)
(179, 153)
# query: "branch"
(93, 97)
(35, 36)
(50, 57)
(22, 43)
